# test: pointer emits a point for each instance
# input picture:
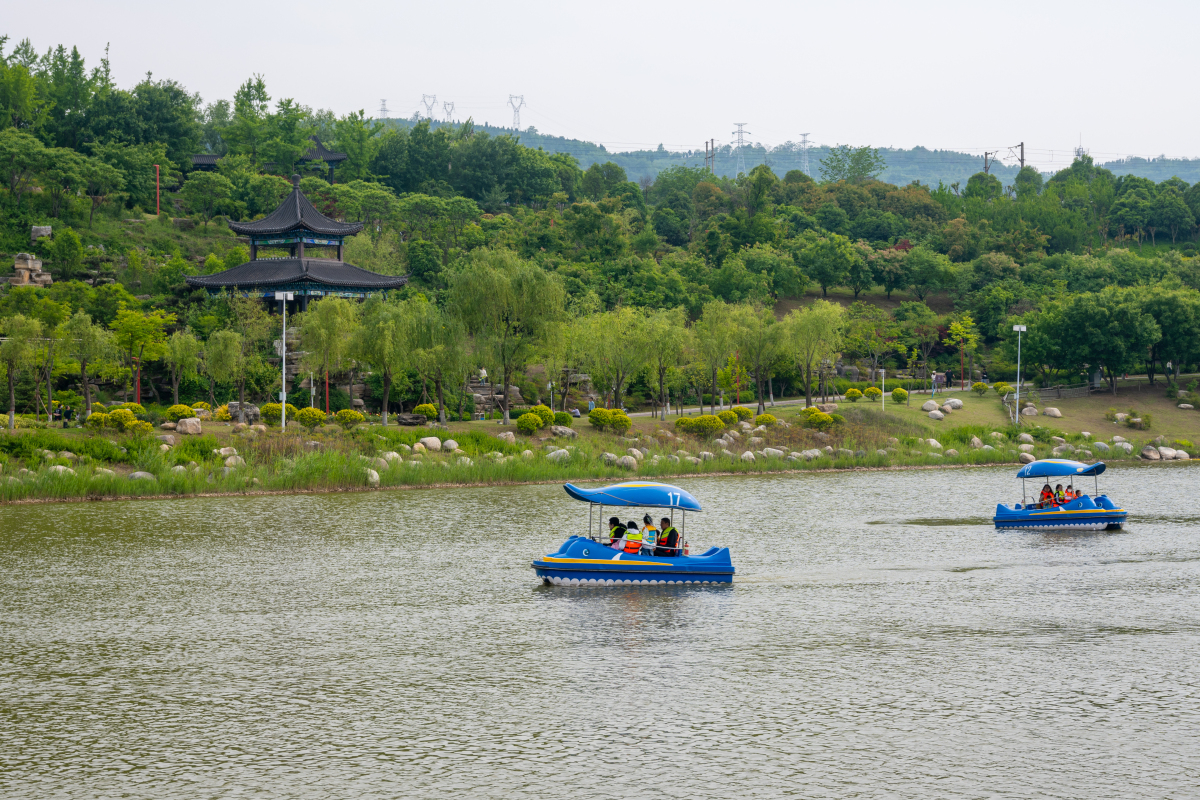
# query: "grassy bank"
(79, 464)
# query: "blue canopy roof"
(1058, 468)
(643, 494)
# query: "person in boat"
(1047, 497)
(633, 538)
(649, 535)
(1071, 493)
(1060, 496)
(668, 539)
(616, 533)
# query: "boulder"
(693, 460)
(1126, 446)
(976, 442)
(166, 438)
(1186, 406)
(1150, 453)
(1084, 454)
(1085, 434)
(1167, 453)
(936, 416)
(929, 405)
(1100, 447)
(608, 458)
(507, 436)
(409, 420)
(1026, 458)
(526, 454)
(142, 476)
(391, 456)
(563, 430)
(164, 448)
(189, 426)
(728, 453)
(1029, 412)
(449, 446)
(1120, 416)
(1119, 439)
(627, 462)
(235, 461)
(1057, 440)
(559, 455)
(101, 472)
(635, 454)
(934, 443)
(59, 469)
(431, 443)
(225, 451)
(771, 452)
(372, 477)
(238, 427)
(1025, 448)
(179, 469)
(747, 456)
(1181, 455)
(378, 463)
(755, 441)
(1025, 438)
(259, 428)
(760, 429)
(68, 455)
(951, 452)
(252, 413)
(167, 426)
(996, 435)
(419, 448)
(731, 434)
(1051, 412)
(842, 451)
(881, 452)
(894, 441)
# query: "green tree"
(759, 340)
(21, 159)
(66, 254)
(101, 180)
(61, 176)
(205, 192)
(812, 336)
(983, 186)
(616, 348)
(89, 344)
(247, 132)
(182, 355)
(18, 351)
(667, 339)
(383, 341)
(927, 271)
(714, 342)
(828, 260)
(140, 337)
(1171, 212)
(963, 335)
(507, 304)
(327, 331)
(851, 164)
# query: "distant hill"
(904, 166)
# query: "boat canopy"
(637, 493)
(1059, 467)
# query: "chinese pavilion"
(317, 152)
(297, 226)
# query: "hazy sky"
(965, 76)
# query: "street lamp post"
(883, 390)
(1019, 329)
(283, 297)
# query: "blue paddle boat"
(1083, 513)
(592, 560)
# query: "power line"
(516, 101)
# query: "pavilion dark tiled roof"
(319, 152)
(278, 271)
(205, 160)
(296, 212)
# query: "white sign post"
(283, 297)
(1019, 329)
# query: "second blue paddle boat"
(1084, 513)
(591, 560)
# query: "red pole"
(157, 195)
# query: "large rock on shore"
(936, 416)
(252, 412)
(189, 426)
(563, 430)
(1029, 412)
(627, 462)
(1025, 438)
(1051, 412)
(954, 403)
(449, 446)
(431, 443)
(1150, 453)
(1026, 458)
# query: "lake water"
(397, 644)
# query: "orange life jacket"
(633, 541)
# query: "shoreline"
(480, 485)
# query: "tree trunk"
(437, 385)
(154, 391)
(662, 397)
(12, 398)
(504, 392)
(87, 392)
(212, 392)
(712, 405)
(807, 386)
(242, 400)
(387, 391)
(327, 391)
(462, 396)
(174, 388)
(771, 388)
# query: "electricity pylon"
(429, 100)
(383, 109)
(804, 153)
(741, 143)
(516, 101)
(448, 107)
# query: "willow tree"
(225, 361)
(759, 341)
(812, 336)
(507, 304)
(440, 352)
(616, 347)
(183, 359)
(382, 342)
(327, 330)
(87, 343)
(667, 340)
(18, 351)
(713, 337)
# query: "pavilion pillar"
(253, 251)
(340, 245)
(300, 248)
